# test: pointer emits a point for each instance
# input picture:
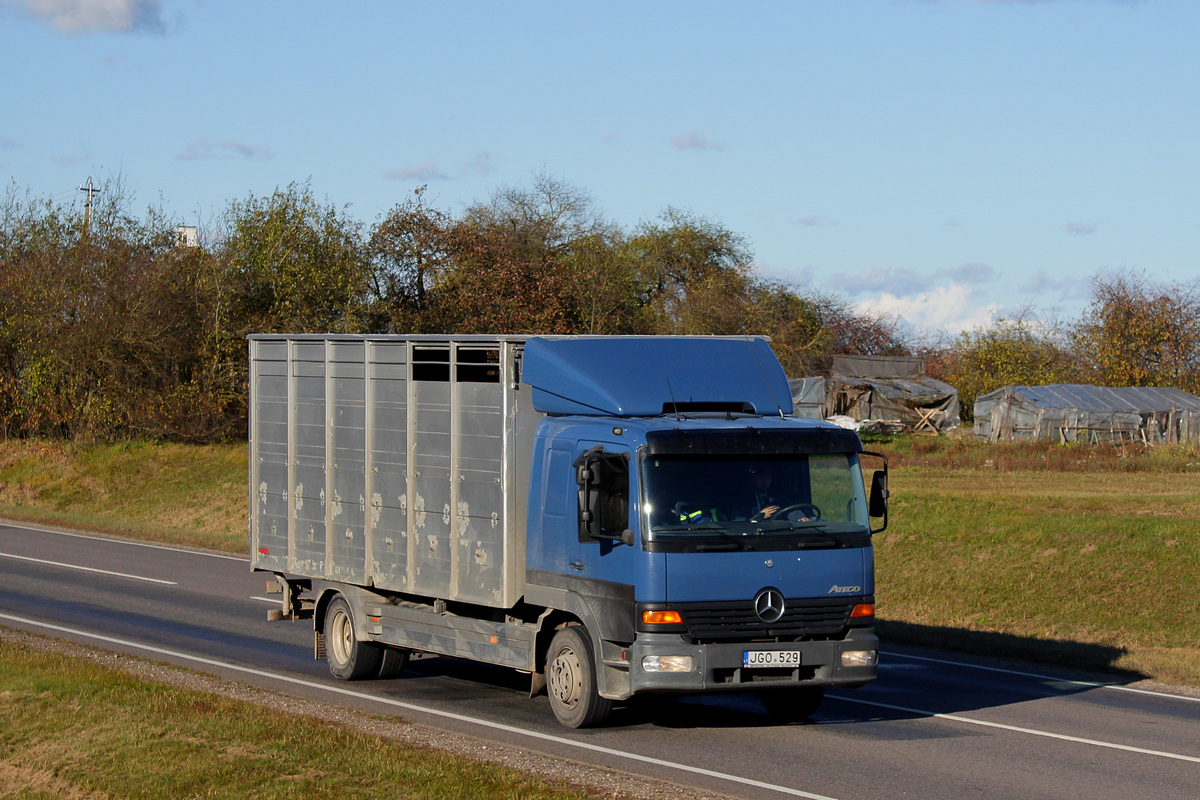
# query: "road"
(929, 728)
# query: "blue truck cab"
(621, 515)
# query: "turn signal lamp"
(863, 610)
(661, 618)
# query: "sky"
(946, 162)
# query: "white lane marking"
(275, 600)
(110, 540)
(417, 708)
(89, 569)
(1016, 729)
(1092, 684)
(889, 654)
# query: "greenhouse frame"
(1090, 414)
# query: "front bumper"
(718, 667)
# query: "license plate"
(770, 658)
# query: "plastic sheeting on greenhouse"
(1082, 413)
(878, 366)
(878, 393)
(808, 397)
(890, 393)
(920, 405)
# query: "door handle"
(576, 565)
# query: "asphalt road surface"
(931, 727)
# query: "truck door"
(603, 571)
(606, 545)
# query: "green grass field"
(1075, 555)
(1094, 569)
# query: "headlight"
(668, 663)
(860, 658)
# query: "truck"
(616, 516)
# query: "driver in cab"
(760, 503)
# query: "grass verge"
(1097, 570)
(172, 493)
(75, 728)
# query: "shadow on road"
(908, 688)
(1060, 653)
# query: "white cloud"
(481, 162)
(787, 276)
(970, 273)
(884, 280)
(1043, 2)
(694, 140)
(119, 62)
(1062, 286)
(68, 161)
(204, 149)
(907, 282)
(428, 171)
(90, 16)
(951, 308)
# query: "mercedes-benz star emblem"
(769, 605)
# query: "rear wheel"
(571, 680)
(348, 658)
(392, 662)
(792, 705)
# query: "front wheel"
(792, 705)
(348, 658)
(571, 680)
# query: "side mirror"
(877, 502)
(603, 480)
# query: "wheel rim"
(566, 678)
(342, 635)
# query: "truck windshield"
(786, 501)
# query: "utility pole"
(87, 208)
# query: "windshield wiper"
(816, 529)
(705, 547)
(731, 542)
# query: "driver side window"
(603, 479)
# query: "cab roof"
(649, 376)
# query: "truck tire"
(392, 662)
(792, 705)
(348, 658)
(571, 680)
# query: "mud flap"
(318, 645)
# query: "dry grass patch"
(182, 494)
(75, 729)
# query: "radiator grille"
(806, 618)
